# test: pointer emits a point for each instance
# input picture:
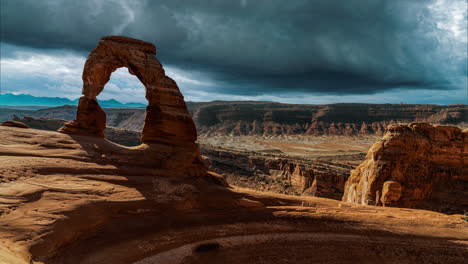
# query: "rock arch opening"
(167, 117)
(124, 88)
(124, 122)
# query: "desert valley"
(229, 182)
(282, 148)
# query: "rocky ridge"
(274, 119)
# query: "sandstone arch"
(167, 116)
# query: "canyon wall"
(281, 174)
(275, 119)
(416, 166)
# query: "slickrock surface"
(78, 199)
(117, 135)
(416, 166)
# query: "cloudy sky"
(301, 51)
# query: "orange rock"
(391, 192)
(417, 166)
(169, 131)
(167, 118)
(90, 119)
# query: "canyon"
(277, 119)
(306, 166)
(288, 161)
(315, 167)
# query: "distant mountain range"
(9, 99)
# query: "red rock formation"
(417, 166)
(167, 118)
(274, 119)
(169, 131)
(90, 119)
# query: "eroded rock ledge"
(416, 166)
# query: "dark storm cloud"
(254, 47)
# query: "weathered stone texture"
(167, 118)
(169, 132)
(417, 166)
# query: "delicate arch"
(167, 117)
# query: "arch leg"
(90, 119)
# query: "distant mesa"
(416, 166)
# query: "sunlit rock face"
(417, 166)
(169, 133)
(167, 118)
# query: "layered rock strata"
(417, 166)
(275, 119)
(280, 174)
